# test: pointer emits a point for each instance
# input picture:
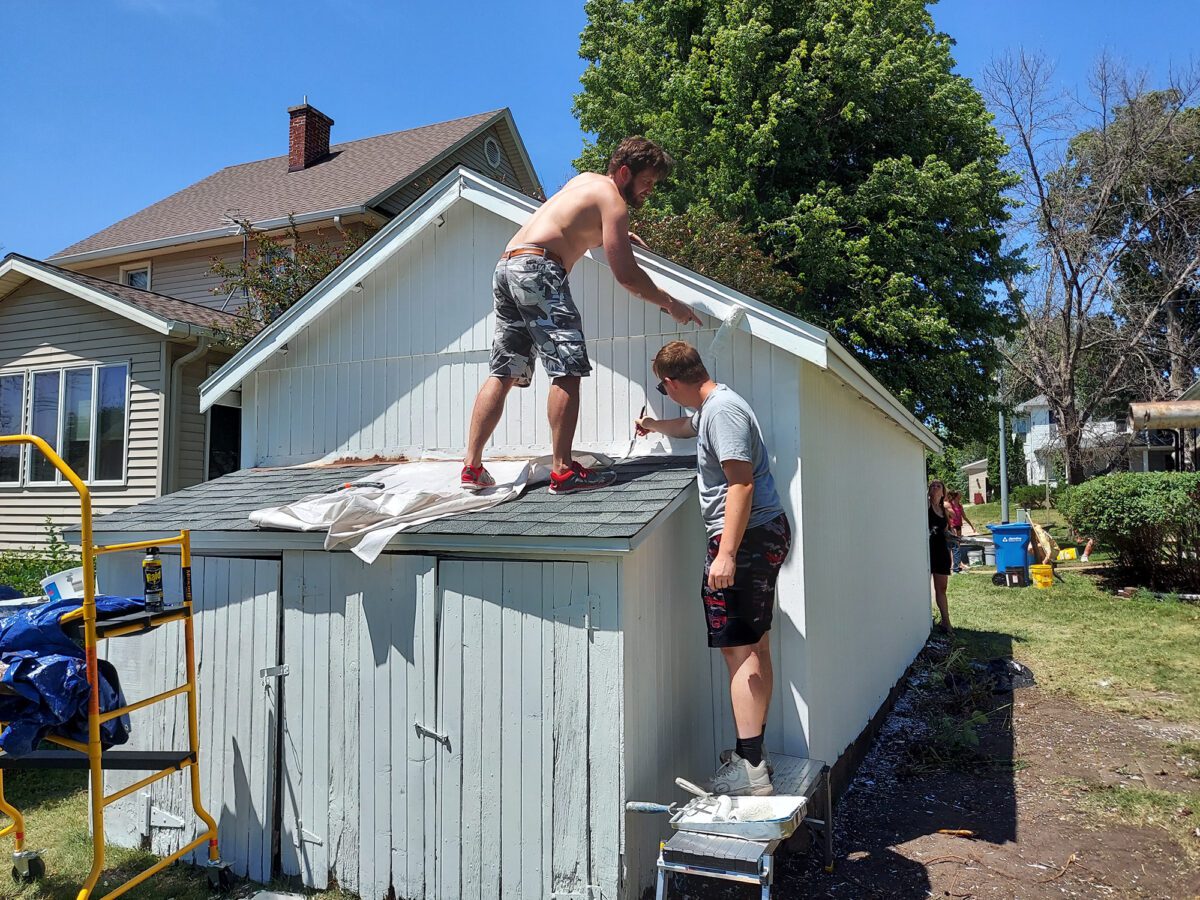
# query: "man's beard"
(631, 198)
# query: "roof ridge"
(372, 137)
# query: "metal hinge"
(273, 672)
(443, 739)
(158, 818)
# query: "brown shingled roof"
(159, 305)
(353, 174)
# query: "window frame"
(26, 459)
(135, 267)
(24, 376)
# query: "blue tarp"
(46, 670)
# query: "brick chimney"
(308, 136)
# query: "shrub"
(1150, 521)
(23, 570)
(1029, 496)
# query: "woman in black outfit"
(939, 551)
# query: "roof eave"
(105, 301)
(194, 237)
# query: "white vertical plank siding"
(236, 620)
(667, 697)
(358, 642)
(867, 600)
(395, 369)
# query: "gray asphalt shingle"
(644, 487)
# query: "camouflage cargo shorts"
(535, 314)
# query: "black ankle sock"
(750, 749)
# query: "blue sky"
(111, 105)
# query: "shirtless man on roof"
(536, 315)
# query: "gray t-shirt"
(727, 429)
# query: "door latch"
(272, 672)
(443, 739)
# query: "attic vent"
(491, 150)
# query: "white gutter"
(171, 482)
(208, 234)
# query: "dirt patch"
(1025, 805)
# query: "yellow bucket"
(1043, 576)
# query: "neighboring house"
(976, 475)
(168, 249)
(1103, 441)
(469, 715)
(89, 366)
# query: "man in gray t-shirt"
(749, 537)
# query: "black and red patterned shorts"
(740, 615)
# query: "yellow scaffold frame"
(96, 758)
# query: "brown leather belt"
(533, 251)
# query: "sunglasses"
(661, 387)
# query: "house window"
(12, 398)
(136, 276)
(81, 412)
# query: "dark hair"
(680, 361)
(639, 154)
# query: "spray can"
(152, 580)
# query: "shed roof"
(355, 176)
(645, 488)
(156, 311)
(462, 185)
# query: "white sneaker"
(726, 754)
(737, 778)
(1083, 559)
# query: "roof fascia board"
(459, 544)
(851, 371)
(441, 157)
(519, 141)
(357, 266)
(104, 301)
(224, 231)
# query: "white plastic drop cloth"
(363, 519)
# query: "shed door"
(236, 616)
(356, 792)
(528, 794)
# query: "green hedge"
(1149, 520)
(23, 570)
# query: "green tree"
(1015, 463)
(278, 271)
(836, 133)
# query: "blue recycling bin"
(1012, 542)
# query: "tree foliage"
(1112, 223)
(836, 134)
(278, 270)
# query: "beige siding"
(470, 155)
(41, 327)
(183, 274)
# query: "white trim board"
(787, 332)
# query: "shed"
(976, 475)
(466, 717)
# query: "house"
(977, 482)
(1108, 443)
(1175, 426)
(468, 715)
(164, 252)
(109, 374)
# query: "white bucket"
(64, 585)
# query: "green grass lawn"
(55, 804)
(1131, 656)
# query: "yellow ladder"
(27, 864)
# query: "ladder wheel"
(37, 869)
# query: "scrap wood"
(957, 832)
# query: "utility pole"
(1003, 472)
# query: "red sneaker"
(577, 478)
(476, 478)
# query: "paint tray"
(767, 818)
